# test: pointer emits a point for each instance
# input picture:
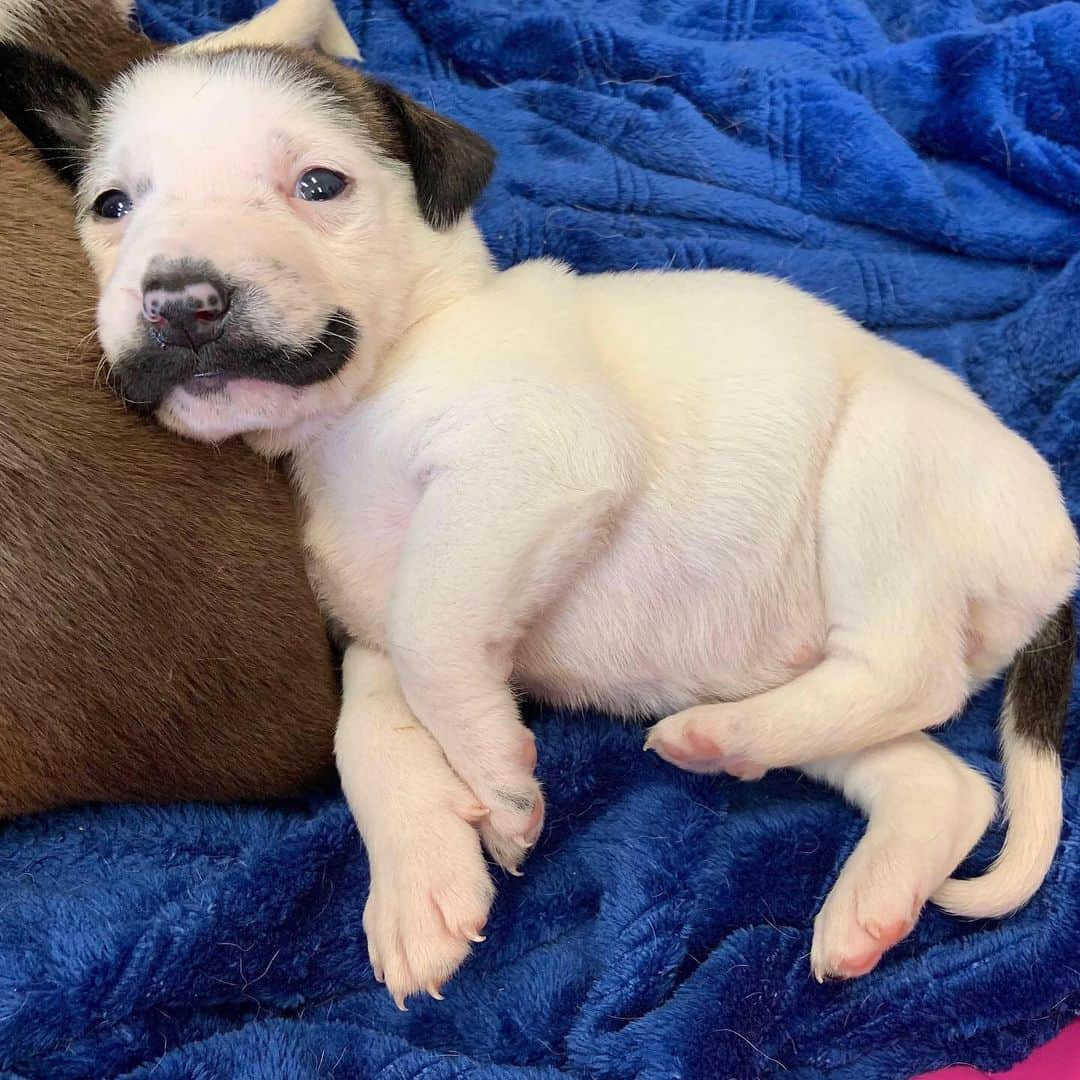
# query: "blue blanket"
(916, 163)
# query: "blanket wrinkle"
(918, 165)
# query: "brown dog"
(158, 638)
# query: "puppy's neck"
(444, 268)
(450, 265)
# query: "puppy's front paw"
(705, 739)
(429, 900)
(512, 827)
(505, 784)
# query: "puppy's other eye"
(320, 185)
(113, 204)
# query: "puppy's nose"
(185, 311)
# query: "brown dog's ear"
(450, 164)
(51, 104)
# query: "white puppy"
(701, 496)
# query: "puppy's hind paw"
(873, 905)
(703, 739)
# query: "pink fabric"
(1059, 1059)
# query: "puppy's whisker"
(99, 371)
(340, 337)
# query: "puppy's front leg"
(430, 888)
(480, 563)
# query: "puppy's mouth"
(143, 376)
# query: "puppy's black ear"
(50, 104)
(450, 164)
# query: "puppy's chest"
(357, 513)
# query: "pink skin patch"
(215, 409)
(251, 394)
(804, 658)
(973, 641)
(527, 752)
(698, 753)
(854, 966)
(889, 935)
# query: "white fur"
(1034, 806)
(430, 889)
(705, 495)
(926, 811)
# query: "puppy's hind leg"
(895, 606)
(849, 700)
(926, 809)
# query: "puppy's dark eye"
(113, 204)
(319, 185)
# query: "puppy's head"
(258, 219)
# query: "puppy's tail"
(1032, 724)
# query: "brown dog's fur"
(158, 639)
(90, 36)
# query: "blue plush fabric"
(917, 164)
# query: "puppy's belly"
(647, 647)
(724, 614)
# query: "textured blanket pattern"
(915, 163)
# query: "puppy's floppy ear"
(50, 104)
(450, 164)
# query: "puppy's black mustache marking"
(143, 376)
